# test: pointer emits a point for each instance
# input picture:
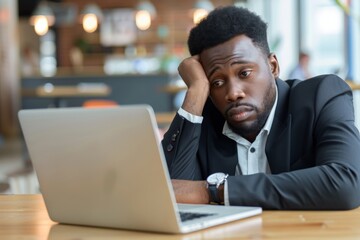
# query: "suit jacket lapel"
(279, 140)
(223, 151)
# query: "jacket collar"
(279, 141)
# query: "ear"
(274, 65)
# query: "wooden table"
(173, 89)
(353, 85)
(25, 217)
(164, 118)
(60, 93)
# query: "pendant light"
(42, 17)
(145, 13)
(90, 17)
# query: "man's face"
(242, 83)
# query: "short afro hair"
(224, 23)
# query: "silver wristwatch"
(214, 181)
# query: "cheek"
(259, 96)
(214, 95)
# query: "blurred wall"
(282, 19)
(173, 16)
(9, 76)
(355, 48)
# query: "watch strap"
(214, 195)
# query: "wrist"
(206, 193)
(215, 186)
(194, 101)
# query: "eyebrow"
(212, 71)
(233, 63)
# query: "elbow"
(349, 194)
(348, 200)
(346, 190)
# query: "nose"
(235, 91)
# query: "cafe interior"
(99, 53)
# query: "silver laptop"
(105, 167)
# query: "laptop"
(105, 167)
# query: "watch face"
(216, 178)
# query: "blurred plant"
(346, 9)
(83, 45)
(275, 43)
(343, 6)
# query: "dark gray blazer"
(313, 150)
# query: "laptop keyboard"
(186, 216)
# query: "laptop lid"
(105, 167)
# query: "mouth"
(239, 113)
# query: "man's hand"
(194, 192)
(192, 72)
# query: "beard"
(252, 130)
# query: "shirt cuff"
(190, 117)
(226, 194)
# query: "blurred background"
(80, 53)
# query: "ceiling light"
(91, 16)
(42, 17)
(145, 12)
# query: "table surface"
(353, 85)
(164, 118)
(80, 90)
(25, 217)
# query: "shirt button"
(252, 150)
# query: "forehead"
(239, 47)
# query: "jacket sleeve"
(180, 144)
(333, 182)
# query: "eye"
(245, 73)
(217, 83)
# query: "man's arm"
(180, 144)
(195, 79)
(194, 192)
(181, 141)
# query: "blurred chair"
(99, 103)
(4, 187)
(23, 181)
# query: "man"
(301, 70)
(275, 144)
